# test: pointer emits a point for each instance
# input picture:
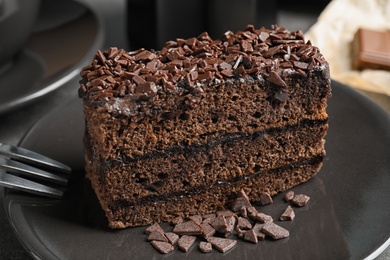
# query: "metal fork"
(23, 162)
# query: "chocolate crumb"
(251, 236)
(162, 247)
(205, 247)
(300, 200)
(188, 228)
(222, 244)
(289, 196)
(275, 231)
(185, 242)
(288, 214)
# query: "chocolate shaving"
(276, 79)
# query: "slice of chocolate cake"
(177, 132)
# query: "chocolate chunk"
(240, 232)
(205, 247)
(158, 236)
(289, 196)
(226, 213)
(185, 242)
(300, 65)
(263, 36)
(276, 79)
(172, 237)
(243, 223)
(251, 236)
(265, 198)
(252, 212)
(263, 218)
(231, 223)
(162, 247)
(257, 229)
(288, 214)
(219, 224)
(275, 231)
(188, 228)
(242, 200)
(207, 230)
(300, 200)
(222, 244)
(196, 218)
(154, 227)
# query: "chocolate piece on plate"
(288, 214)
(275, 231)
(205, 247)
(265, 198)
(185, 242)
(172, 237)
(219, 224)
(154, 227)
(162, 247)
(157, 236)
(289, 196)
(300, 200)
(257, 229)
(207, 230)
(196, 218)
(243, 223)
(222, 244)
(242, 200)
(251, 236)
(188, 228)
(263, 217)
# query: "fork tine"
(27, 170)
(15, 182)
(22, 154)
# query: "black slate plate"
(346, 218)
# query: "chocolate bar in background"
(371, 50)
(151, 23)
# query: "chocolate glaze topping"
(189, 65)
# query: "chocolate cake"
(179, 131)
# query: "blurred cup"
(17, 19)
(151, 23)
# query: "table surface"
(16, 123)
